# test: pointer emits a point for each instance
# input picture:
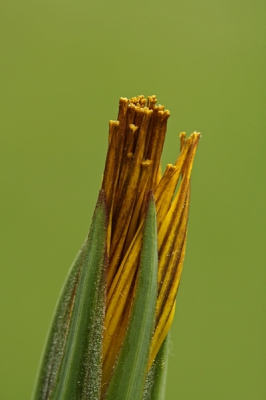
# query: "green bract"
(71, 367)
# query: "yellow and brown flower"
(132, 170)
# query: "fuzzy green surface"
(155, 385)
(72, 363)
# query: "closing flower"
(118, 303)
(133, 169)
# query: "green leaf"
(156, 379)
(55, 343)
(71, 367)
(128, 380)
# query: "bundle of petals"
(133, 169)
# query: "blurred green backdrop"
(64, 65)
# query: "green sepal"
(128, 379)
(71, 366)
(155, 385)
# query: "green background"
(64, 65)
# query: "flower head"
(132, 170)
(118, 301)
